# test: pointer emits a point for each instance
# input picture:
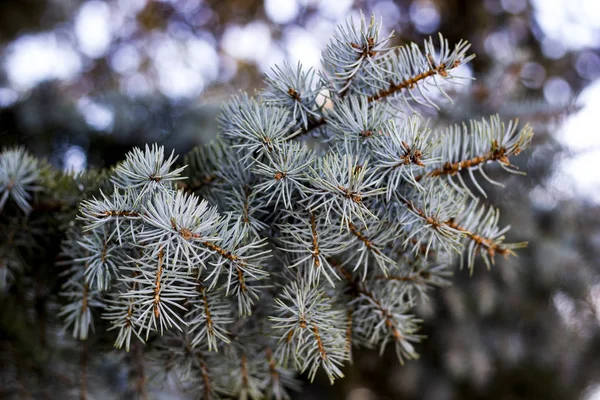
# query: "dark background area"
(81, 82)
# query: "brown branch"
(487, 243)
(84, 298)
(279, 175)
(139, 370)
(422, 248)
(368, 243)
(86, 289)
(205, 379)
(188, 235)
(157, 283)
(481, 241)
(434, 222)
(114, 213)
(405, 84)
(366, 134)
(236, 260)
(315, 243)
(266, 141)
(244, 371)
(83, 371)
(349, 331)
(272, 366)
(130, 306)
(200, 362)
(246, 214)
(410, 83)
(360, 289)
(497, 153)
(231, 257)
(289, 336)
(170, 363)
(315, 330)
(209, 321)
(218, 249)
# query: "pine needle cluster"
(322, 215)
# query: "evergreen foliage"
(317, 221)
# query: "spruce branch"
(119, 211)
(412, 73)
(179, 227)
(100, 259)
(341, 186)
(375, 321)
(293, 89)
(415, 277)
(283, 173)
(147, 171)
(122, 313)
(312, 331)
(209, 318)
(311, 242)
(279, 255)
(485, 238)
(81, 299)
(367, 244)
(402, 151)
(428, 211)
(19, 177)
(481, 143)
(278, 379)
(355, 119)
(193, 367)
(352, 50)
(239, 262)
(256, 128)
(159, 294)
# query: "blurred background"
(81, 82)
